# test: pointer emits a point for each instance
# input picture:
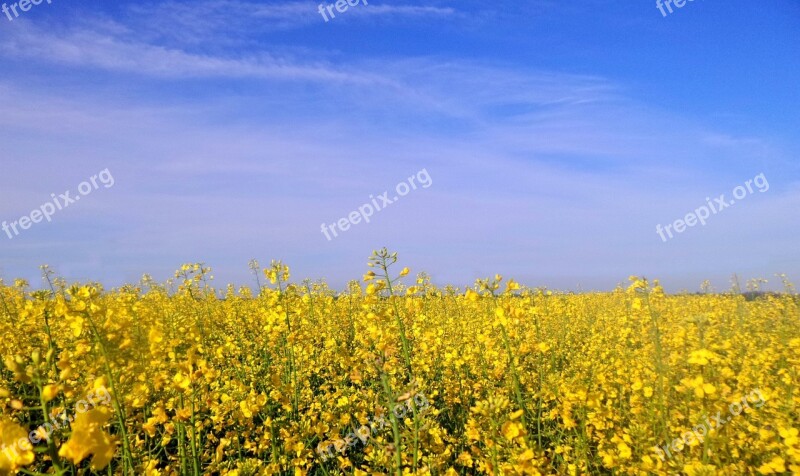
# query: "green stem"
(127, 459)
(395, 426)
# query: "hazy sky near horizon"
(557, 136)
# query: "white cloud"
(231, 21)
(85, 48)
(405, 10)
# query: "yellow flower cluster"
(516, 380)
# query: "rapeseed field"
(395, 376)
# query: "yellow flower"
(15, 449)
(150, 468)
(88, 438)
(511, 430)
(789, 436)
(624, 450)
(705, 389)
(698, 385)
(76, 324)
(150, 426)
(526, 455)
(776, 465)
(464, 459)
(543, 347)
(219, 453)
(700, 357)
(49, 392)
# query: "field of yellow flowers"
(394, 376)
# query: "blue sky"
(557, 136)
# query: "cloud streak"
(234, 20)
(86, 49)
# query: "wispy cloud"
(234, 21)
(106, 51)
(406, 10)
